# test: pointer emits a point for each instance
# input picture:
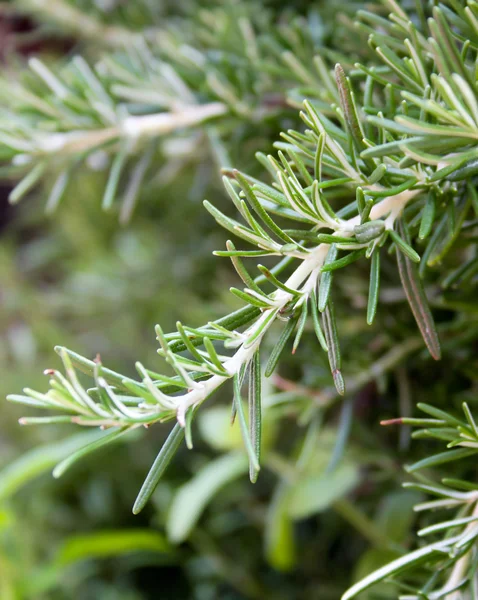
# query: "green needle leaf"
(254, 466)
(316, 321)
(374, 286)
(27, 183)
(279, 347)
(301, 326)
(344, 261)
(88, 367)
(238, 318)
(428, 217)
(255, 411)
(366, 232)
(213, 355)
(326, 279)
(404, 247)
(188, 427)
(114, 177)
(167, 452)
(249, 298)
(335, 361)
(257, 206)
(68, 462)
(448, 229)
(273, 279)
(418, 302)
(58, 191)
(348, 106)
(397, 566)
(441, 458)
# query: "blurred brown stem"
(325, 397)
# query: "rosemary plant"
(378, 180)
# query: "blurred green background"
(81, 280)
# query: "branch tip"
(397, 421)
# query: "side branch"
(131, 127)
(392, 205)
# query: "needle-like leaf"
(418, 302)
(167, 452)
(332, 339)
(255, 412)
(280, 345)
(374, 286)
(254, 466)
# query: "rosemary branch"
(392, 206)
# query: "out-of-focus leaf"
(41, 459)
(396, 516)
(111, 543)
(217, 430)
(280, 547)
(192, 498)
(316, 493)
(5, 519)
(68, 462)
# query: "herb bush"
(296, 438)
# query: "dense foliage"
(354, 245)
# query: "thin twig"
(382, 365)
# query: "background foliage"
(328, 507)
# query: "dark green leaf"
(428, 217)
(117, 167)
(404, 247)
(447, 231)
(279, 347)
(418, 302)
(442, 458)
(374, 286)
(344, 261)
(110, 543)
(366, 232)
(254, 466)
(300, 326)
(326, 279)
(255, 411)
(249, 298)
(316, 320)
(348, 106)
